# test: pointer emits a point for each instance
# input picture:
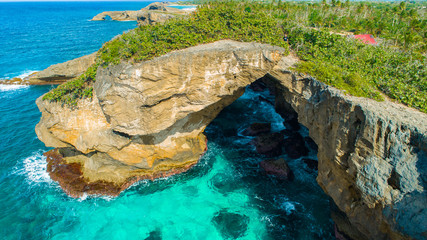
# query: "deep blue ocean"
(225, 196)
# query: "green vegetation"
(362, 69)
(72, 91)
(396, 24)
(210, 23)
(396, 67)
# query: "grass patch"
(362, 70)
(72, 91)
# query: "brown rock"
(371, 154)
(58, 73)
(117, 16)
(257, 128)
(70, 175)
(269, 144)
(153, 17)
(279, 168)
(147, 121)
(361, 142)
(295, 146)
(157, 12)
(64, 71)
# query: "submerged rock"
(295, 146)
(269, 144)
(224, 183)
(230, 225)
(154, 235)
(311, 163)
(257, 128)
(278, 168)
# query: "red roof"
(366, 38)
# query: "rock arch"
(147, 120)
(117, 16)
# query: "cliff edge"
(154, 13)
(57, 73)
(147, 121)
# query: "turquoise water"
(225, 196)
(35, 35)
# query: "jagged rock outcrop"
(57, 73)
(372, 157)
(116, 15)
(154, 13)
(153, 17)
(65, 71)
(147, 121)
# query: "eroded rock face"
(372, 157)
(157, 12)
(67, 70)
(57, 73)
(183, 90)
(117, 16)
(147, 121)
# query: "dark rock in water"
(258, 86)
(223, 183)
(310, 143)
(155, 235)
(287, 132)
(263, 99)
(230, 132)
(292, 124)
(257, 129)
(279, 168)
(295, 146)
(231, 225)
(269, 144)
(343, 229)
(312, 164)
(288, 113)
(339, 235)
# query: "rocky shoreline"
(147, 120)
(154, 13)
(57, 73)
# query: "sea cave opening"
(107, 18)
(242, 188)
(272, 157)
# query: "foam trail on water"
(6, 88)
(34, 168)
(26, 73)
(21, 74)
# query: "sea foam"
(34, 168)
(6, 88)
(26, 73)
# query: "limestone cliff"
(152, 14)
(372, 157)
(147, 120)
(57, 73)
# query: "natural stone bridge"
(147, 121)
